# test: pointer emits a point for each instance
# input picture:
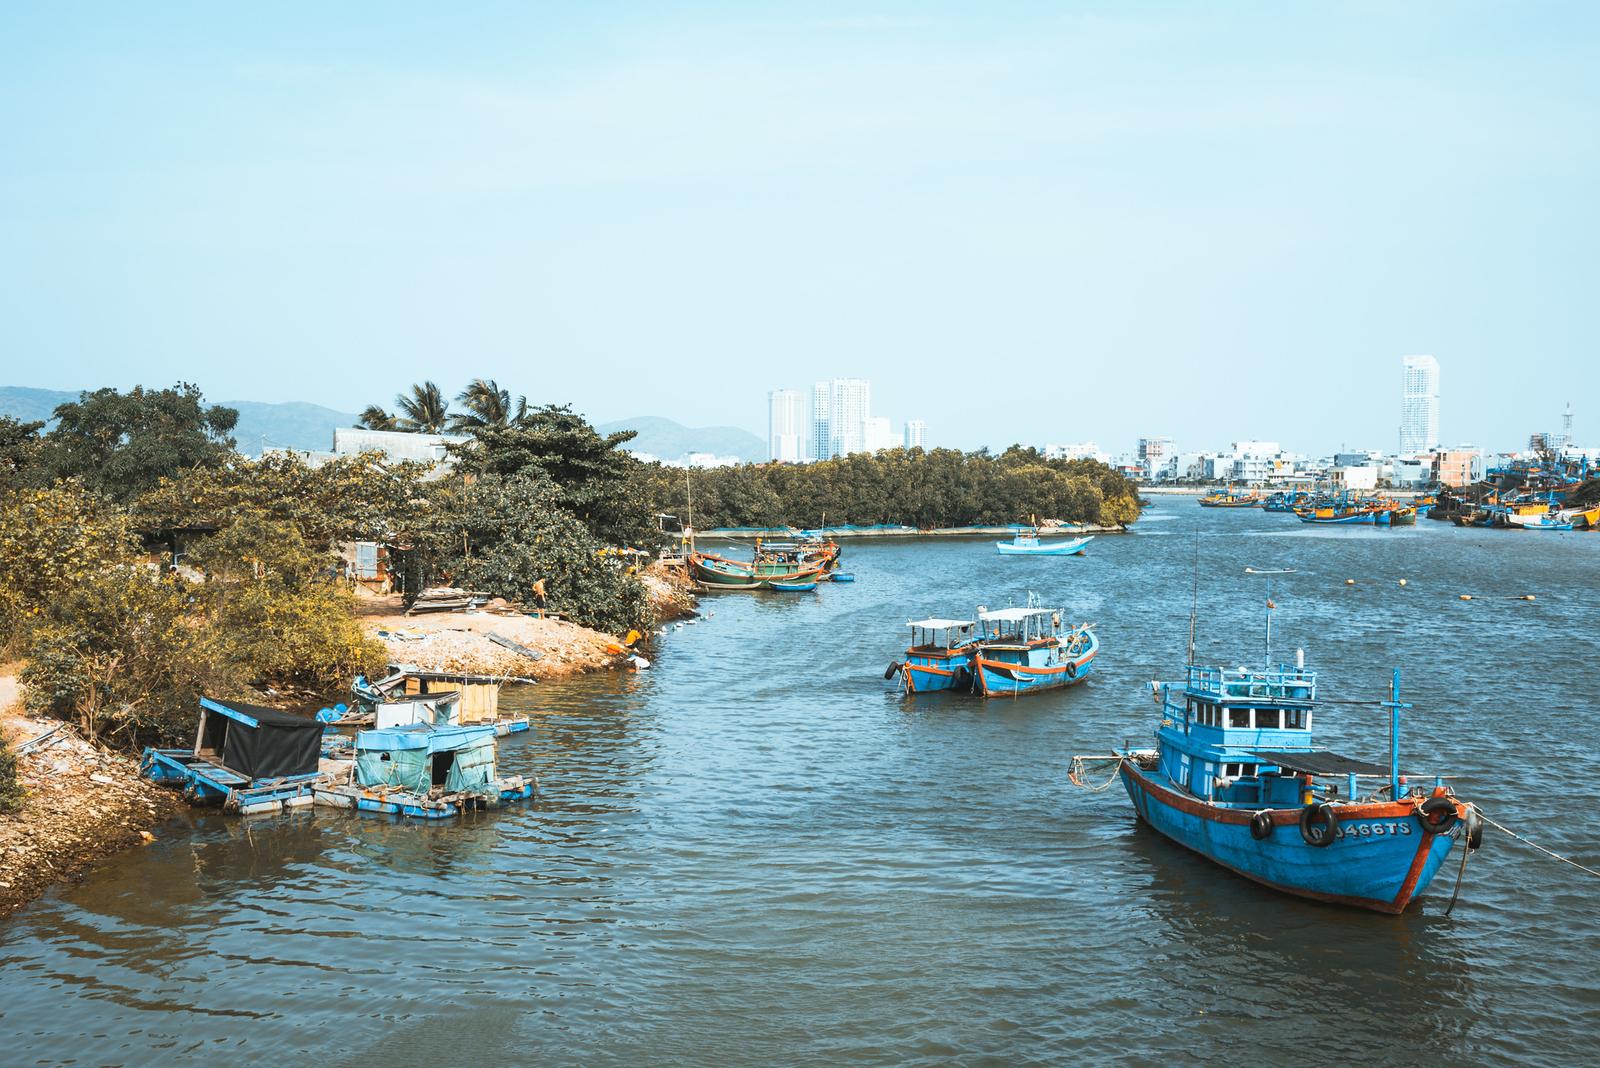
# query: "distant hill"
(294, 424)
(298, 425)
(673, 441)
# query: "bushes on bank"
(11, 792)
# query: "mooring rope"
(1076, 772)
(1536, 845)
(1466, 851)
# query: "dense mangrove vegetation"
(911, 487)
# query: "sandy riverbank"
(460, 641)
(83, 803)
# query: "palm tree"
(487, 406)
(373, 417)
(424, 410)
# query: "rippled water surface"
(757, 852)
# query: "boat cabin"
(932, 637)
(1020, 627)
(419, 758)
(479, 694)
(255, 741)
(442, 709)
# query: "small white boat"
(1027, 543)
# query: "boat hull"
(1008, 673)
(926, 672)
(1382, 859)
(1354, 518)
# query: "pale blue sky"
(1040, 222)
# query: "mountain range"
(299, 425)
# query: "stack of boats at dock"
(417, 744)
(788, 565)
(1005, 652)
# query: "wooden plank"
(516, 647)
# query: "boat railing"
(1282, 683)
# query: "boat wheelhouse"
(940, 656)
(1020, 650)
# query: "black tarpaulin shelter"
(263, 743)
(1321, 762)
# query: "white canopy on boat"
(1013, 615)
(940, 624)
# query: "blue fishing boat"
(940, 656)
(1341, 514)
(1235, 777)
(1026, 543)
(793, 587)
(1021, 650)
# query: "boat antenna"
(689, 488)
(1270, 606)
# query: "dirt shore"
(83, 803)
(460, 641)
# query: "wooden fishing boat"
(1022, 650)
(1026, 543)
(1229, 498)
(793, 587)
(1337, 514)
(940, 656)
(720, 573)
(1235, 777)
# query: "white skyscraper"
(1419, 405)
(879, 434)
(840, 408)
(916, 435)
(784, 425)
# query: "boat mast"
(1394, 705)
(1194, 600)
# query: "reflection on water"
(757, 851)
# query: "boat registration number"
(1373, 830)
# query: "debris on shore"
(83, 803)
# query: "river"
(758, 852)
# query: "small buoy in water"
(1349, 582)
(1402, 582)
(1526, 597)
(1466, 596)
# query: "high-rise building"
(784, 426)
(878, 434)
(840, 408)
(916, 434)
(1419, 405)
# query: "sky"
(1023, 222)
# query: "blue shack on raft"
(425, 771)
(246, 758)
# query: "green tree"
(423, 410)
(375, 417)
(487, 405)
(51, 540)
(20, 447)
(120, 444)
(595, 480)
(509, 535)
